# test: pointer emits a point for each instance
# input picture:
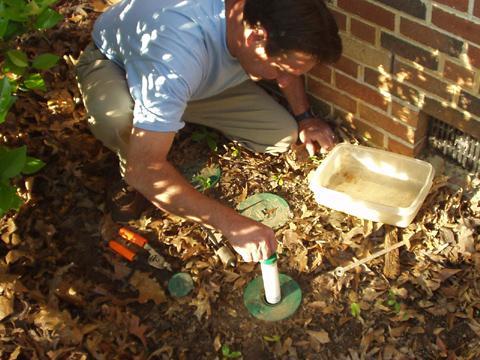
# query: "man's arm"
(311, 131)
(151, 174)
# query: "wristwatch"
(305, 115)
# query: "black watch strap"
(305, 115)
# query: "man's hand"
(251, 239)
(315, 134)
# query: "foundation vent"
(455, 144)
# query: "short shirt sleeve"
(160, 96)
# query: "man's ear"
(257, 36)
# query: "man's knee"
(275, 141)
(287, 137)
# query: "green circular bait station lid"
(267, 208)
(254, 299)
(180, 284)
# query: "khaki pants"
(245, 113)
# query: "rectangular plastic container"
(372, 184)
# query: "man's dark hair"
(299, 25)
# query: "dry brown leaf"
(6, 306)
(148, 288)
(101, 5)
(15, 255)
(217, 343)
(320, 336)
(135, 328)
(230, 276)
(60, 323)
(202, 303)
(466, 243)
(444, 274)
(475, 326)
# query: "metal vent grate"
(455, 144)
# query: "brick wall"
(403, 61)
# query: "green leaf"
(13, 29)
(32, 165)
(226, 352)
(16, 11)
(198, 136)
(12, 162)
(45, 61)
(3, 26)
(35, 82)
(355, 310)
(9, 66)
(397, 307)
(8, 198)
(6, 98)
(212, 144)
(18, 57)
(48, 19)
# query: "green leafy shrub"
(20, 72)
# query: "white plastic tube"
(271, 280)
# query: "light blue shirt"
(172, 52)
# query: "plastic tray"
(372, 184)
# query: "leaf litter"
(64, 295)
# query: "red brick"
(476, 8)
(326, 93)
(461, 5)
(456, 25)
(422, 80)
(455, 117)
(341, 19)
(474, 55)
(409, 51)
(430, 37)
(405, 114)
(370, 12)
(400, 148)
(415, 8)
(366, 131)
(460, 75)
(348, 66)
(392, 86)
(386, 123)
(322, 72)
(360, 91)
(362, 31)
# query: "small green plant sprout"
(229, 354)
(202, 183)
(392, 301)
(277, 180)
(14, 163)
(273, 338)
(355, 310)
(235, 152)
(206, 178)
(210, 137)
(315, 159)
